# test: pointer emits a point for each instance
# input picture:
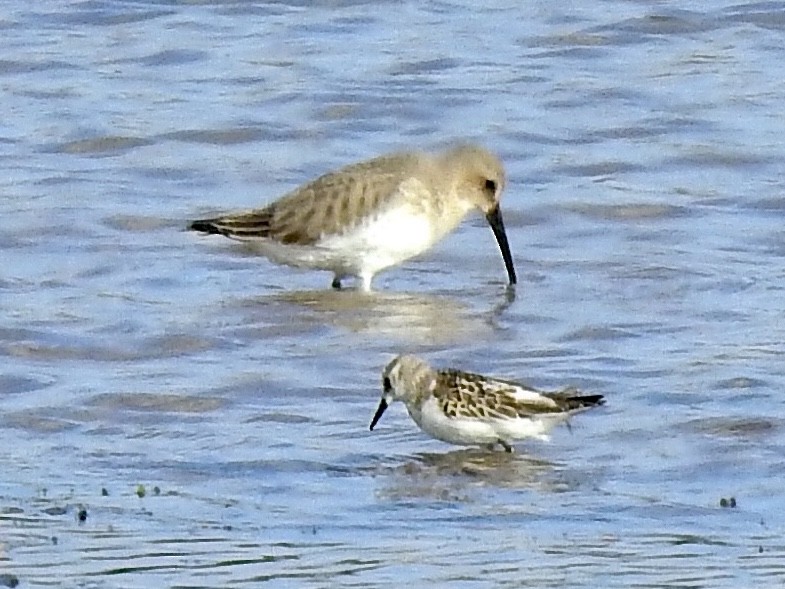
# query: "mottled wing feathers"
(329, 205)
(472, 395)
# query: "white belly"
(382, 241)
(388, 239)
(470, 431)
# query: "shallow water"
(644, 148)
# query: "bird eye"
(490, 185)
(387, 384)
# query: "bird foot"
(507, 448)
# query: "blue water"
(644, 148)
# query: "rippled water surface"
(206, 412)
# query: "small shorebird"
(370, 215)
(466, 409)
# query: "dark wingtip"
(204, 225)
(591, 400)
(577, 401)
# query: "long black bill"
(494, 218)
(378, 415)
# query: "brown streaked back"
(330, 205)
(472, 395)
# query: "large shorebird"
(374, 214)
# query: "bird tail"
(575, 400)
(253, 225)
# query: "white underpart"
(470, 431)
(387, 239)
(381, 241)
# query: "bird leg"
(506, 446)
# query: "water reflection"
(406, 318)
(451, 476)
(741, 428)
